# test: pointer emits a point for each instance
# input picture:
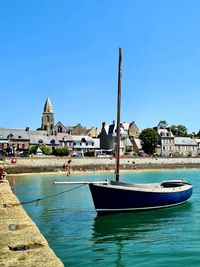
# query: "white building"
(85, 143)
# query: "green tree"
(179, 130)
(150, 139)
(61, 151)
(33, 149)
(45, 150)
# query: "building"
(133, 130)
(167, 146)
(93, 132)
(47, 123)
(12, 140)
(108, 136)
(185, 146)
(197, 140)
(39, 138)
(176, 146)
(137, 145)
(83, 144)
(65, 140)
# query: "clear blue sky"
(68, 50)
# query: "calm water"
(168, 237)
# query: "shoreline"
(55, 165)
(90, 172)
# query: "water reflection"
(134, 234)
(134, 225)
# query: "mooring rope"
(40, 199)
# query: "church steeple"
(48, 117)
(48, 106)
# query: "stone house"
(93, 132)
(133, 130)
(175, 146)
(186, 146)
(60, 128)
(13, 140)
(42, 138)
(197, 140)
(79, 130)
(137, 145)
(167, 146)
(65, 140)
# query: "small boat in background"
(115, 196)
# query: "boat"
(116, 196)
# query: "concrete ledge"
(21, 243)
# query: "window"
(53, 141)
(10, 136)
(20, 146)
(59, 129)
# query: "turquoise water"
(167, 237)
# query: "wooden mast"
(118, 113)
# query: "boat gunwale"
(155, 187)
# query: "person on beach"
(68, 167)
(2, 174)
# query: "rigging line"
(39, 199)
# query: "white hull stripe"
(145, 208)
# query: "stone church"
(48, 118)
(47, 124)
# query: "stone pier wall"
(21, 243)
(53, 164)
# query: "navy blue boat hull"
(111, 200)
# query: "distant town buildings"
(81, 140)
(176, 146)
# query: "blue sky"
(68, 50)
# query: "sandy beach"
(55, 164)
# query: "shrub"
(61, 151)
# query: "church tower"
(48, 117)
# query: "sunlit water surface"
(166, 237)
